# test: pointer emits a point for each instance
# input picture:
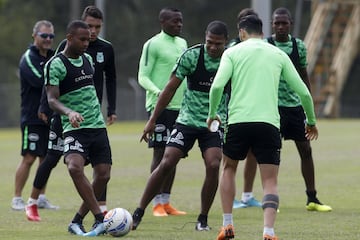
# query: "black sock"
(139, 212)
(312, 197)
(99, 217)
(202, 218)
(78, 218)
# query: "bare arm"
(165, 97)
(53, 94)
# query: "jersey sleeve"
(55, 71)
(146, 66)
(110, 78)
(221, 79)
(302, 53)
(294, 80)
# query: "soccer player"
(291, 112)
(197, 66)
(159, 55)
(34, 131)
(102, 54)
(253, 117)
(247, 196)
(71, 93)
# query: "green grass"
(336, 155)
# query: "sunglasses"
(46, 35)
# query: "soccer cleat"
(137, 216)
(312, 206)
(45, 204)
(32, 213)
(267, 237)
(97, 229)
(17, 204)
(159, 211)
(170, 210)
(202, 226)
(252, 202)
(76, 228)
(226, 233)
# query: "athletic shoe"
(76, 228)
(18, 204)
(32, 213)
(202, 226)
(97, 229)
(170, 210)
(137, 216)
(226, 233)
(159, 211)
(267, 237)
(45, 204)
(311, 206)
(252, 202)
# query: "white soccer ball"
(118, 222)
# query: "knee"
(74, 169)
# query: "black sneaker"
(137, 216)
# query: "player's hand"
(148, 131)
(311, 132)
(210, 120)
(111, 119)
(43, 117)
(75, 119)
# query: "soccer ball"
(118, 222)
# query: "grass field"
(336, 155)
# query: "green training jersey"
(77, 92)
(287, 96)
(255, 68)
(158, 57)
(199, 71)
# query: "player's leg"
(247, 196)
(171, 157)
(227, 195)
(308, 173)
(164, 126)
(34, 144)
(266, 149)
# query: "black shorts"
(164, 126)
(56, 139)
(263, 139)
(34, 140)
(184, 137)
(92, 143)
(292, 123)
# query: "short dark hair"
(282, 11)
(251, 23)
(76, 24)
(246, 12)
(92, 11)
(164, 13)
(218, 28)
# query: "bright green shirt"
(157, 60)
(287, 96)
(195, 105)
(255, 68)
(83, 100)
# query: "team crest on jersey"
(100, 57)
